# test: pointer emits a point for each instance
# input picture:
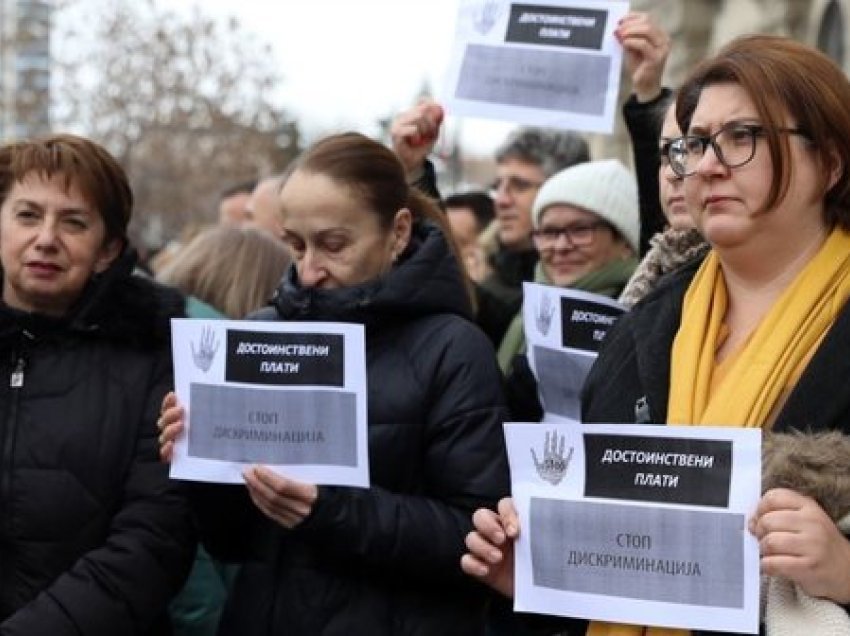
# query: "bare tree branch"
(184, 102)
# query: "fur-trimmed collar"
(814, 464)
(669, 250)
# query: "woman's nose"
(46, 236)
(311, 272)
(710, 164)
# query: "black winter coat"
(94, 538)
(383, 560)
(634, 364)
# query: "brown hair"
(786, 78)
(233, 269)
(374, 172)
(79, 161)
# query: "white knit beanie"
(605, 188)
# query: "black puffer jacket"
(383, 560)
(94, 539)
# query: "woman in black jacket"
(93, 538)
(756, 334)
(383, 560)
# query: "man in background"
(231, 203)
(526, 158)
(470, 213)
(262, 209)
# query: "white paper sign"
(563, 331)
(637, 524)
(542, 62)
(288, 395)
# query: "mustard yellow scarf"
(772, 361)
(776, 353)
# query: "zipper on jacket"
(16, 382)
(7, 444)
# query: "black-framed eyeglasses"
(664, 151)
(734, 145)
(514, 184)
(577, 235)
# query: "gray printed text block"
(273, 426)
(562, 81)
(636, 551)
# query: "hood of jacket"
(427, 280)
(116, 305)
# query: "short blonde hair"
(233, 269)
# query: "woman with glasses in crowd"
(757, 334)
(668, 237)
(367, 248)
(587, 232)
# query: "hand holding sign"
(170, 425)
(283, 500)
(414, 133)
(491, 547)
(645, 50)
(799, 542)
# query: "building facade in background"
(24, 68)
(698, 28)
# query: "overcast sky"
(345, 63)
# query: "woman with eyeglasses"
(757, 334)
(668, 237)
(586, 231)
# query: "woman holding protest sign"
(756, 334)
(382, 560)
(586, 230)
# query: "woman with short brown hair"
(94, 539)
(757, 334)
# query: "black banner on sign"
(556, 26)
(687, 471)
(584, 324)
(289, 359)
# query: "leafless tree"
(184, 101)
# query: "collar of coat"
(427, 280)
(655, 320)
(117, 305)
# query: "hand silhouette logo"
(545, 313)
(489, 13)
(204, 355)
(554, 466)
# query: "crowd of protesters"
(728, 244)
